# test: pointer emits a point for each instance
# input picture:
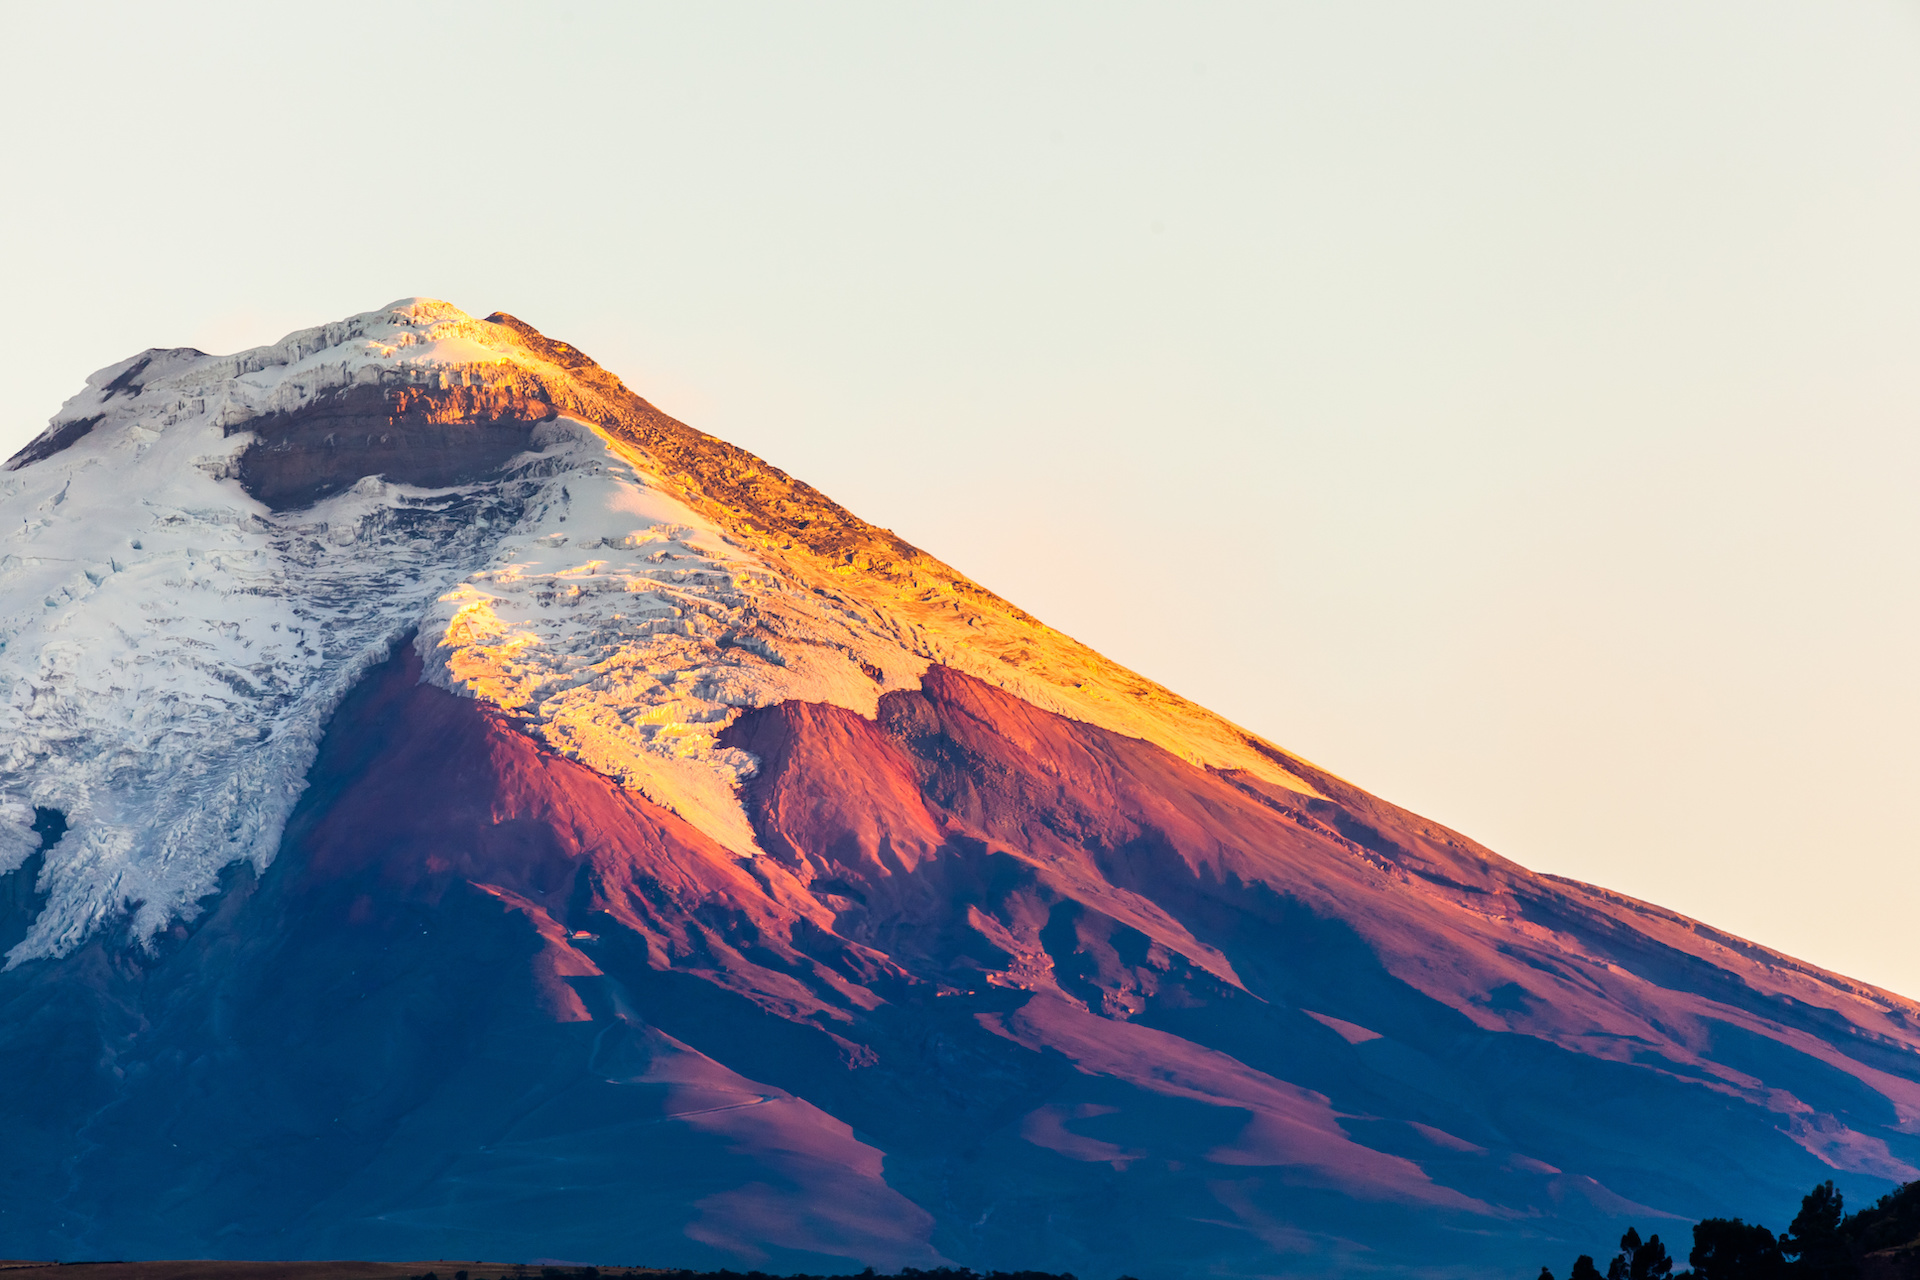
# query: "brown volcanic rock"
(410, 435)
(835, 798)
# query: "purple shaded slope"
(1009, 990)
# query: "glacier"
(171, 648)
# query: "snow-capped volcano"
(448, 806)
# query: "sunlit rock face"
(450, 808)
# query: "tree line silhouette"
(521, 1271)
(1823, 1242)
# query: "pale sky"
(1510, 406)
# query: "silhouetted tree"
(1640, 1259)
(1893, 1220)
(1729, 1249)
(1583, 1269)
(1814, 1240)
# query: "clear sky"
(1513, 407)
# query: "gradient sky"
(1510, 406)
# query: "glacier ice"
(171, 649)
(18, 839)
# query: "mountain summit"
(449, 807)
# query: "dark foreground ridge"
(1824, 1242)
(203, 1269)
